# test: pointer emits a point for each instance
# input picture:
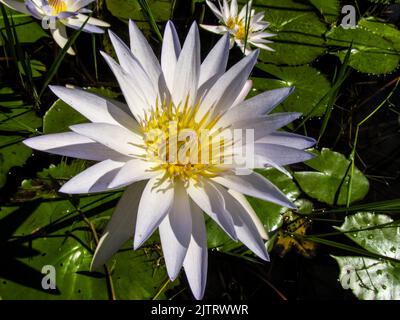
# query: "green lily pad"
(17, 120)
(55, 234)
(299, 32)
(48, 181)
(60, 117)
(28, 29)
(330, 9)
(382, 240)
(375, 46)
(15, 115)
(372, 279)
(131, 9)
(310, 96)
(12, 154)
(323, 184)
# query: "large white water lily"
(246, 28)
(57, 14)
(172, 195)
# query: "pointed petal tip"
(28, 142)
(63, 189)
(94, 265)
(137, 242)
(266, 256)
(198, 295)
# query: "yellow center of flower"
(238, 27)
(58, 6)
(180, 144)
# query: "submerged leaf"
(372, 279)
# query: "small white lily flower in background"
(57, 14)
(172, 193)
(246, 27)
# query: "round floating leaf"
(17, 119)
(12, 154)
(375, 47)
(140, 274)
(328, 8)
(381, 237)
(15, 115)
(330, 175)
(48, 181)
(299, 32)
(60, 117)
(131, 9)
(55, 234)
(372, 279)
(310, 96)
(28, 30)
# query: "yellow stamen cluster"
(166, 122)
(58, 6)
(238, 27)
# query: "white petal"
(94, 107)
(94, 179)
(187, 71)
(214, 65)
(77, 23)
(120, 227)
(171, 49)
(196, 260)
(132, 66)
(250, 211)
(214, 29)
(281, 155)
(115, 137)
(246, 10)
(132, 171)
(80, 4)
(255, 107)
(225, 9)
(268, 124)
(71, 144)
(133, 95)
(93, 21)
(287, 139)
(255, 185)
(175, 232)
(144, 53)
(16, 5)
(214, 9)
(226, 90)
(245, 228)
(262, 46)
(243, 93)
(207, 197)
(60, 37)
(234, 8)
(155, 203)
